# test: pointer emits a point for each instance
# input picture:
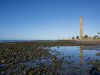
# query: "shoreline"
(58, 42)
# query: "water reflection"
(81, 55)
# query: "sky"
(47, 19)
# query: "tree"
(86, 36)
(77, 37)
(98, 33)
(72, 37)
(95, 37)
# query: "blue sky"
(47, 19)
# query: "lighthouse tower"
(81, 27)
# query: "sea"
(11, 41)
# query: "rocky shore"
(34, 58)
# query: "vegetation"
(73, 38)
(77, 37)
(85, 37)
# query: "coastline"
(57, 42)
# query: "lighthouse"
(81, 27)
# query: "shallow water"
(62, 60)
(78, 56)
